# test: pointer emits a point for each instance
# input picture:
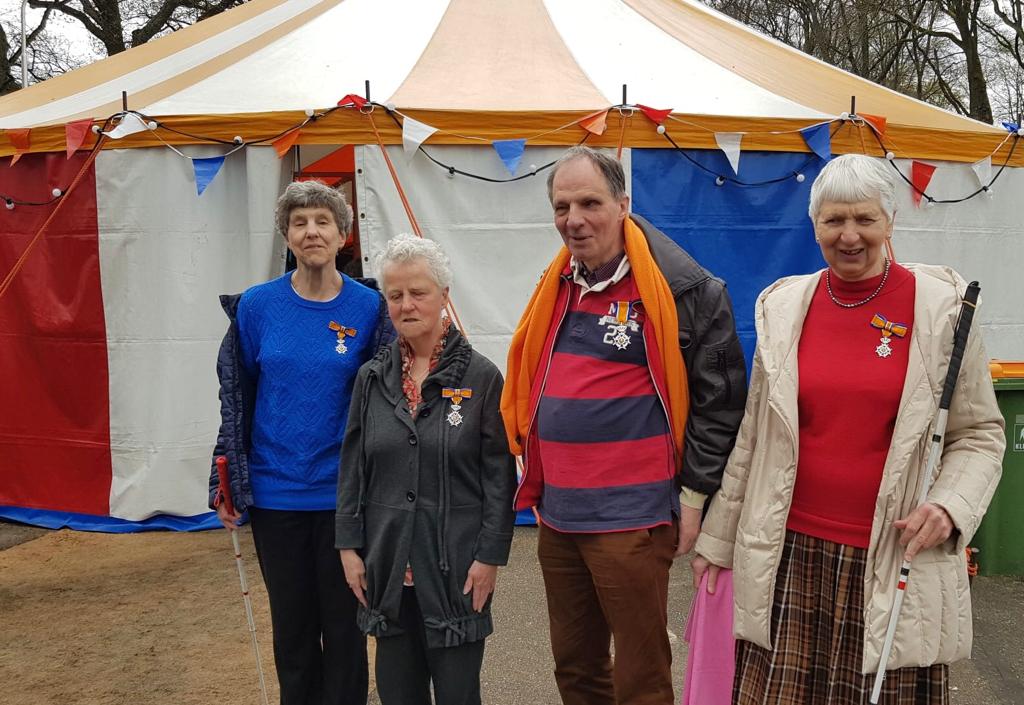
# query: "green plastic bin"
(1000, 537)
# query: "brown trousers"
(609, 586)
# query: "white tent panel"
(366, 42)
(165, 256)
(616, 45)
(499, 237)
(980, 238)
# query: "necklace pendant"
(454, 417)
(883, 350)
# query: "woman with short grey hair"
(817, 508)
(425, 490)
(286, 367)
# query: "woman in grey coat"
(425, 490)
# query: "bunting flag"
(414, 133)
(595, 124)
(129, 125)
(285, 142)
(656, 116)
(920, 176)
(983, 170)
(876, 121)
(819, 140)
(729, 142)
(75, 134)
(21, 140)
(511, 153)
(206, 171)
(356, 100)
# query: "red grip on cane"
(224, 484)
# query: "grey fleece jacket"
(426, 492)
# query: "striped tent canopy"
(487, 69)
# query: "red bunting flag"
(75, 134)
(21, 140)
(656, 116)
(356, 100)
(285, 142)
(920, 176)
(595, 124)
(876, 121)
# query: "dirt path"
(157, 618)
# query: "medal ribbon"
(342, 330)
(887, 327)
(622, 311)
(456, 395)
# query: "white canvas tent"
(114, 321)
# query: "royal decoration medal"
(343, 333)
(456, 395)
(620, 323)
(889, 329)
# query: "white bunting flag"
(129, 125)
(983, 170)
(729, 142)
(414, 133)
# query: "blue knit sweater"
(304, 367)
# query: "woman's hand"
(355, 574)
(480, 580)
(228, 519)
(689, 529)
(924, 528)
(700, 564)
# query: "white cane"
(960, 333)
(224, 495)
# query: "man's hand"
(924, 528)
(480, 579)
(229, 520)
(700, 564)
(355, 573)
(689, 528)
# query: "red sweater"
(848, 401)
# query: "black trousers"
(319, 651)
(406, 667)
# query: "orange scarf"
(524, 353)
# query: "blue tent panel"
(747, 235)
(92, 522)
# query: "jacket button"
(425, 413)
(411, 496)
(412, 440)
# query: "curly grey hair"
(852, 178)
(608, 165)
(312, 194)
(407, 248)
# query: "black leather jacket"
(715, 367)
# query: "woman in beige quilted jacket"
(817, 507)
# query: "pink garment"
(711, 658)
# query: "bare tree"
(10, 56)
(119, 25)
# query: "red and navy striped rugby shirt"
(602, 430)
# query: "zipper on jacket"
(676, 462)
(543, 384)
(723, 368)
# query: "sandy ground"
(158, 618)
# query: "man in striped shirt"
(626, 385)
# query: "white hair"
(852, 178)
(408, 248)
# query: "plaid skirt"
(818, 634)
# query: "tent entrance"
(334, 166)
